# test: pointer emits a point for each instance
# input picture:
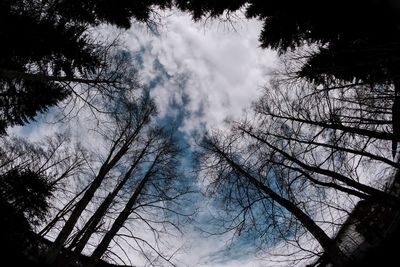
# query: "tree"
(327, 135)
(291, 24)
(38, 44)
(30, 176)
(153, 187)
(129, 120)
(355, 42)
(335, 133)
(129, 147)
(80, 240)
(301, 160)
(49, 45)
(24, 198)
(105, 11)
(251, 194)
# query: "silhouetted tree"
(37, 45)
(355, 42)
(80, 240)
(48, 45)
(330, 133)
(105, 11)
(305, 147)
(127, 145)
(27, 192)
(129, 119)
(152, 188)
(253, 197)
(30, 176)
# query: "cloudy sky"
(207, 71)
(203, 73)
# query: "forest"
(104, 163)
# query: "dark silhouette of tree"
(119, 13)
(305, 147)
(37, 44)
(17, 104)
(80, 240)
(291, 24)
(129, 120)
(151, 190)
(33, 174)
(47, 45)
(27, 193)
(30, 174)
(333, 133)
(254, 199)
(348, 42)
(133, 146)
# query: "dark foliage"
(352, 41)
(37, 45)
(21, 100)
(118, 13)
(45, 42)
(26, 192)
(288, 24)
(23, 203)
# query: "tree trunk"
(331, 249)
(68, 207)
(119, 222)
(83, 237)
(85, 200)
(376, 194)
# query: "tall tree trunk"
(337, 257)
(110, 162)
(122, 217)
(84, 235)
(68, 207)
(376, 194)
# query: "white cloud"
(212, 73)
(225, 67)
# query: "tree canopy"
(311, 147)
(49, 42)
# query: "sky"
(208, 72)
(201, 74)
(204, 74)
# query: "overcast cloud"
(211, 70)
(206, 73)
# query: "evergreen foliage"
(45, 42)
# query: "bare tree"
(154, 187)
(128, 120)
(81, 239)
(251, 192)
(302, 160)
(333, 134)
(53, 158)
